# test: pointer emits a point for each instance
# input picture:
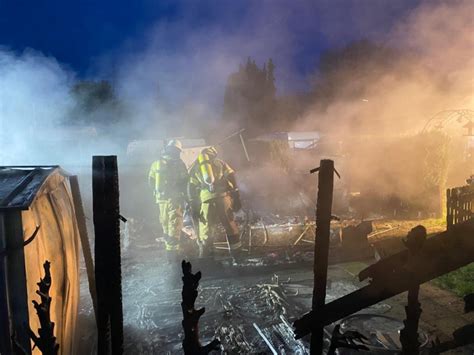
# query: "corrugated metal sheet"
(18, 185)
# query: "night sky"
(80, 34)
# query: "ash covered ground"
(250, 307)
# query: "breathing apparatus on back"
(205, 159)
(173, 149)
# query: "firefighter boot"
(200, 245)
(206, 261)
(235, 248)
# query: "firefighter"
(214, 197)
(169, 177)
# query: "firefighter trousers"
(171, 219)
(217, 210)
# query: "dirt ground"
(234, 301)
(385, 229)
(442, 311)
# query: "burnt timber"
(108, 274)
(321, 247)
(442, 253)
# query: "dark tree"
(95, 104)
(346, 73)
(250, 97)
(93, 94)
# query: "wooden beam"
(321, 247)
(108, 274)
(441, 254)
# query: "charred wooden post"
(321, 247)
(108, 274)
(45, 341)
(409, 334)
(191, 343)
(14, 296)
(443, 253)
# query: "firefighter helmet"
(175, 143)
(210, 151)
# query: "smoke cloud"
(432, 72)
(33, 96)
(377, 109)
(171, 82)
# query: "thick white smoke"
(176, 90)
(34, 97)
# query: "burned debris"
(442, 253)
(191, 316)
(45, 341)
(349, 339)
(321, 246)
(251, 300)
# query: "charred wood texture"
(440, 254)
(409, 334)
(469, 303)
(14, 296)
(105, 188)
(191, 343)
(45, 341)
(17, 349)
(321, 247)
(409, 337)
(350, 339)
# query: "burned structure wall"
(46, 202)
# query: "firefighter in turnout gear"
(214, 197)
(169, 177)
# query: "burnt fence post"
(105, 190)
(409, 334)
(321, 247)
(189, 293)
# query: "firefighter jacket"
(212, 178)
(170, 177)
